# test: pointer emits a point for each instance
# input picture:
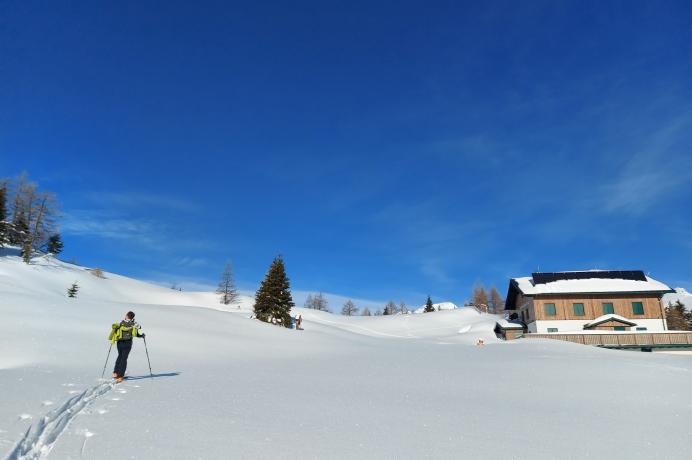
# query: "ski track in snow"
(39, 439)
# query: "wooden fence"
(623, 340)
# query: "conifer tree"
(4, 224)
(349, 308)
(19, 228)
(226, 289)
(429, 307)
(273, 301)
(72, 291)
(33, 217)
(55, 244)
(389, 308)
(27, 250)
(676, 316)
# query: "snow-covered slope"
(227, 386)
(48, 276)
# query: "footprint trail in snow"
(39, 439)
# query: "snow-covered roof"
(594, 285)
(504, 324)
(610, 317)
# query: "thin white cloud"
(191, 262)
(149, 233)
(653, 174)
(139, 200)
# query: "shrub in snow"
(72, 290)
(97, 272)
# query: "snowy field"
(228, 387)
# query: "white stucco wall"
(578, 325)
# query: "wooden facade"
(593, 306)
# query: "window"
(641, 328)
(552, 329)
(549, 309)
(578, 309)
(637, 308)
(608, 308)
(618, 328)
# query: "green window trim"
(552, 329)
(549, 309)
(619, 328)
(642, 329)
(578, 309)
(608, 308)
(637, 308)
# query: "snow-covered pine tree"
(227, 290)
(72, 291)
(429, 307)
(273, 301)
(349, 308)
(27, 250)
(390, 308)
(366, 312)
(33, 217)
(19, 228)
(55, 244)
(4, 224)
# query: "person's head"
(130, 315)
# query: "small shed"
(508, 330)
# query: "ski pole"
(107, 357)
(148, 362)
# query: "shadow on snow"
(147, 376)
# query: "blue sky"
(386, 149)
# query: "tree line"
(28, 218)
(487, 301)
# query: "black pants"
(124, 347)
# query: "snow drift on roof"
(504, 324)
(610, 317)
(591, 285)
